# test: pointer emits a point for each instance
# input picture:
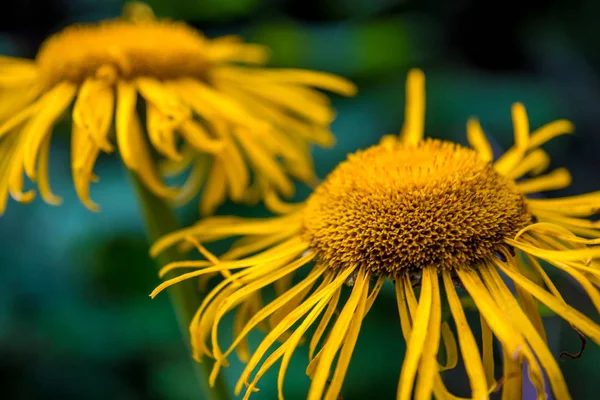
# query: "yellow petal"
(560, 178)
(583, 323)
(44, 179)
(126, 101)
(55, 102)
(478, 141)
(417, 340)
(215, 189)
(468, 345)
(350, 339)
(336, 338)
(414, 114)
(428, 367)
(538, 344)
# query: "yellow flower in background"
(243, 132)
(424, 214)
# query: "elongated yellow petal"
(494, 317)
(535, 162)
(226, 50)
(428, 368)
(20, 117)
(414, 114)
(236, 171)
(560, 178)
(126, 101)
(538, 344)
(200, 96)
(215, 190)
(145, 166)
(321, 80)
(557, 255)
(17, 103)
(161, 131)
(549, 131)
(163, 98)
(15, 74)
(343, 361)
(287, 97)
(293, 341)
(583, 323)
(487, 346)
(512, 370)
(194, 181)
(44, 179)
(450, 348)
(325, 293)
(405, 320)
(40, 125)
(316, 336)
(242, 248)
(468, 345)
(417, 340)
(93, 111)
(265, 164)
(15, 183)
(197, 136)
(529, 304)
(336, 338)
(478, 141)
(276, 305)
(583, 281)
(246, 290)
(7, 148)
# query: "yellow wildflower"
(421, 213)
(208, 110)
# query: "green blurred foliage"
(204, 10)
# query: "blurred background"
(75, 318)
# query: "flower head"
(243, 132)
(433, 217)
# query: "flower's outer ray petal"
(325, 293)
(215, 190)
(478, 141)
(583, 323)
(40, 125)
(450, 347)
(126, 102)
(265, 164)
(428, 368)
(321, 80)
(534, 163)
(549, 131)
(417, 340)
(414, 114)
(509, 160)
(43, 178)
(350, 338)
(537, 342)
(468, 345)
(336, 337)
(487, 346)
(560, 178)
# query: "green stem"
(159, 220)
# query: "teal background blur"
(75, 318)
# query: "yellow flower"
(420, 213)
(208, 110)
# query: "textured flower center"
(160, 49)
(395, 208)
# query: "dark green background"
(75, 319)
